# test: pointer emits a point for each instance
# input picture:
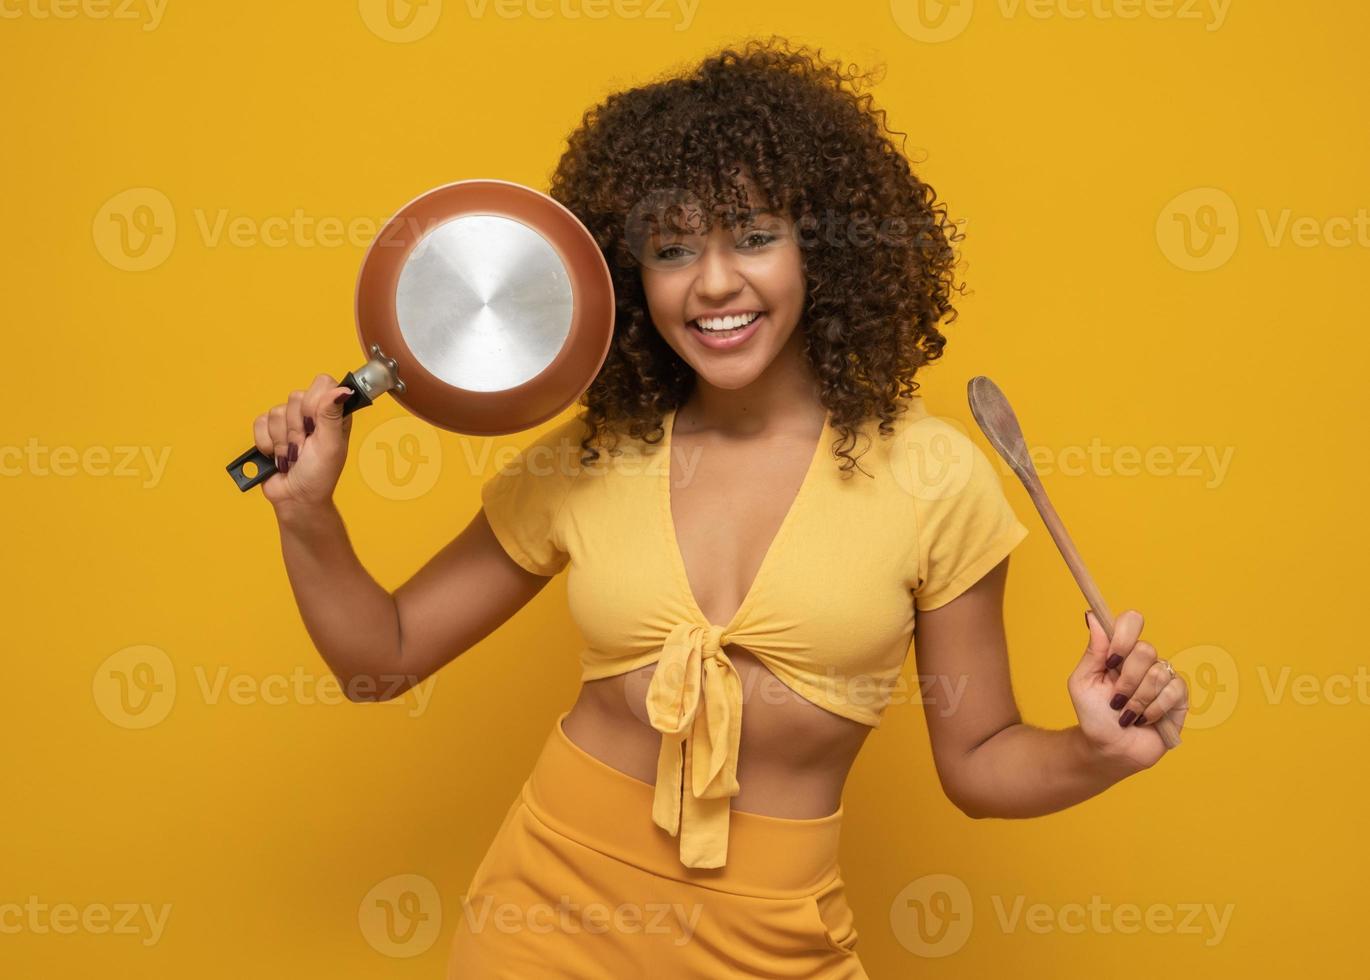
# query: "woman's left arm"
(992, 764)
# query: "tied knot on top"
(695, 701)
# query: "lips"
(725, 340)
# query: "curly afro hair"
(878, 262)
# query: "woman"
(747, 603)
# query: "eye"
(765, 239)
(664, 254)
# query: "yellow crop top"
(830, 612)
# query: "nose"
(718, 277)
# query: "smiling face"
(724, 276)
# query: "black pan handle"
(265, 464)
(373, 379)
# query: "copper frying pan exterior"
(466, 408)
(484, 307)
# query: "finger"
(1176, 715)
(1174, 694)
(275, 425)
(294, 425)
(1151, 685)
(1130, 676)
(330, 407)
(261, 436)
(1096, 651)
(313, 397)
(1126, 629)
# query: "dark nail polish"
(1112, 662)
(342, 397)
(1086, 619)
(1118, 701)
(281, 465)
(294, 453)
(1127, 717)
(1141, 720)
(308, 426)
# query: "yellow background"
(277, 826)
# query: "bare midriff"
(794, 755)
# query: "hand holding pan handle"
(368, 382)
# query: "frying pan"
(483, 306)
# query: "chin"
(731, 372)
(729, 380)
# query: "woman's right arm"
(377, 644)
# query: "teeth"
(726, 322)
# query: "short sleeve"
(965, 523)
(525, 499)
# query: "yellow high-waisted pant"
(580, 884)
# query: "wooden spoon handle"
(997, 420)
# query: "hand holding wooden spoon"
(996, 419)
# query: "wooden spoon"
(996, 419)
